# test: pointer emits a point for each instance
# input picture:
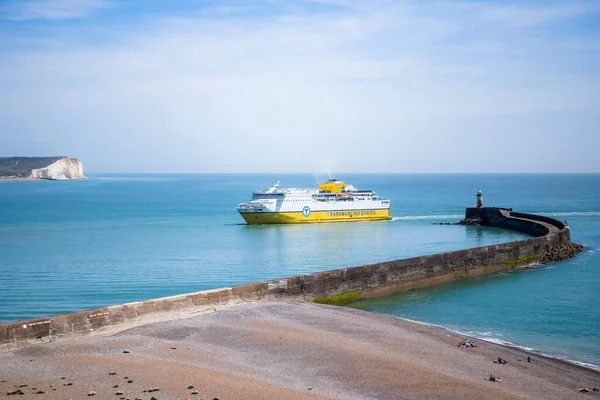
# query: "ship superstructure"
(333, 201)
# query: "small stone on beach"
(466, 343)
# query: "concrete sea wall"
(335, 287)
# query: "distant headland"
(31, 168)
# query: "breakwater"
(338, 286)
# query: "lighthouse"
(479, 200)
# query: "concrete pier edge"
(361, 282)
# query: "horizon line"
(349, 173)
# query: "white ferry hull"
(334, 201)
(298, 217)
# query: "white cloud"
(53, 9)
(525, 16)
(394, 88)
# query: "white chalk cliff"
(63, 168)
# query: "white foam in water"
(455, 216)
(422, 323)
(487, 337)
(572, 213)
(527, 349)
(534, 351)
(583, 364)
(486, 334)
(417, 217)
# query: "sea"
(117, 238)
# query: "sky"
(315, 86)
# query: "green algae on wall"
(340, 299)
(523, 261)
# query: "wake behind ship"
(333, 201)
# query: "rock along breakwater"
(551, 241)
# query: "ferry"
(333, 201)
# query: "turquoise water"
(554, 309)
(73, 245)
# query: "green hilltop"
(21, 166)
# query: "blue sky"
(303, 86)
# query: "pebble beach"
(286, 350)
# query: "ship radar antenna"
(273, 187)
